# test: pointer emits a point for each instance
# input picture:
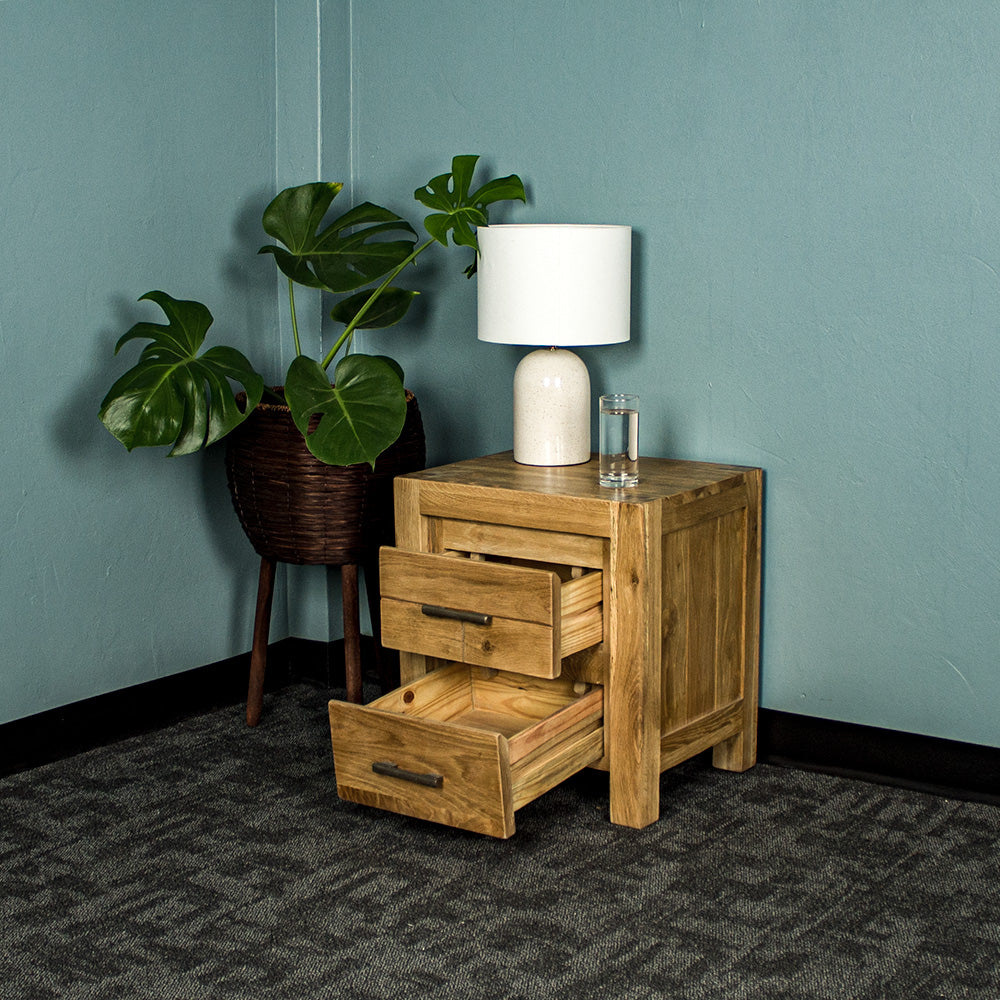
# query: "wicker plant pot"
(296, 509)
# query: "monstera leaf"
(173, 395)
(347, 254)
(455, 209)
(364, 311)
(360, 415)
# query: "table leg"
(740, 752)
(261, 630)
(633, 696)
(386, 662)
(352, 631)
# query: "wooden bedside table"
(548, 624)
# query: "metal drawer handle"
(391, 770)
(435, 611)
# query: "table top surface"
(659, 478)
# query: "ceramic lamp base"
(551, 409)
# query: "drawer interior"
(491, 701)
(466, 745)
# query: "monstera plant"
(182, 396)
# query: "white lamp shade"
(554, 285)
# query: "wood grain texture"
(632, 701)
(581, 630)
(506, 644)
(442, 694)
(487, 504)
(708, 602)
(491, 588)
(677, 645)
(701, 733)
(587, 710)
(581, 593)
(532, 778)
(740, 752)
(496, 739)
(536, 617)
(475, 794)
(659, 479)
(413, 533)
(523, 543)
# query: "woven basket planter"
(296, 509)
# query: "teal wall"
(138, 144)
(813, 190)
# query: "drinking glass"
(619, 430)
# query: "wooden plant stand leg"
(386, 662)
(352, 631)
(261, 630)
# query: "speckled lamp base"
(551, 409)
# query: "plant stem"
(295, 324)
(360, 314)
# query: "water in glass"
(619, 427)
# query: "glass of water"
(619, 429)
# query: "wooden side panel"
(730, 607)
(710, 621)
(702, 617)
(703, 602)
(581, 631)
(675, 634)
(586, 711)
(411, 529)
(582, 593)
(553, 764)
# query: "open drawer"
(494, 614)
(466, 746)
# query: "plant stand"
(297, 510)
(352, 634)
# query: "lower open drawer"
(466, 745)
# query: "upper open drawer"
(518, 618)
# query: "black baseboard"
(923, 763)
(107, 718)
(907, 760)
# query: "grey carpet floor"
(209, 860)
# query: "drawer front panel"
(474, 790)
(487, 588)
(519, 618)
(523, 647)
(466, 746)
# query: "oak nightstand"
(548, 624)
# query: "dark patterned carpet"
(209, 860)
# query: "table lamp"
(553, 286)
